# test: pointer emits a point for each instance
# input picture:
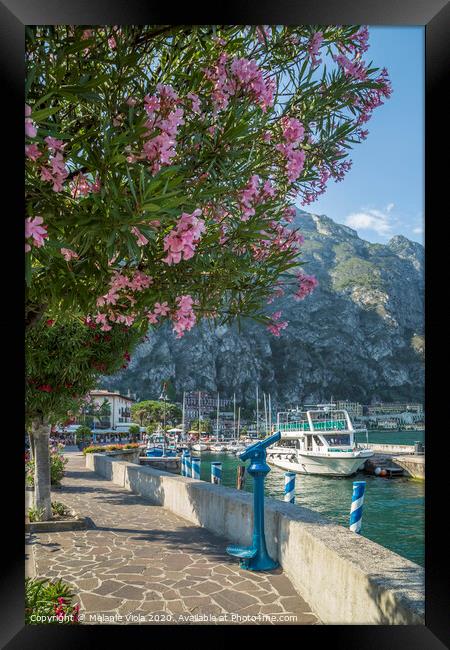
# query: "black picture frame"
(434, 15)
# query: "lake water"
(393, 511)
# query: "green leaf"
(39, 116)
(151, 207)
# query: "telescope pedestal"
(256, 557)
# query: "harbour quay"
(344, 577)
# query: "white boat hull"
(328, 465)
(200, 447)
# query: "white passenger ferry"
(320, 440)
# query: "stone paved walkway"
(145, 564)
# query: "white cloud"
(378, 221)
(390, 207)
(418, 230)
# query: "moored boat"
(318, 441)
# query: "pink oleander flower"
(112, 42)
(306, 284)
(161, 308)
(293, 130)
(355, 69)
(293, 134)
(152, 318)
(96, 185)
(196, 108)
(35, 229)
(314, 47)
(80, 186)
(362, 38)
(141, 240)
(182, 241)
(32, 152)
(69, 254)
(184, 318)
(276, 326)
(53, 144)
(30, 127)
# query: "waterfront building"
(204, 403)
(109, 410)
(388, 408)
(354, 409)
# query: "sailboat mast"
(217, 419)
(265, 413)
(199, 415)
(234, 415)
(182, 420)
(270, 413)
(239, 421)
(257, 411)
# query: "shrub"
(57, 468)
(134, 430)
(59, 508)
(49, 602)
(81, 433)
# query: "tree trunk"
(31, 439)
(42, 494)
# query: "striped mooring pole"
(187, 465)
(195, 464)
(357, 505)
(216, 473)
(289, 487)
(183, 463)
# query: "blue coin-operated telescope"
(256, 557)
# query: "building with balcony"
(107, 411)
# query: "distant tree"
(152, 411)
(205, 425)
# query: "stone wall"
(346, 578)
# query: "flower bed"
(98, 448)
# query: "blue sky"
(383, 194)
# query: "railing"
(329, 425)
(319, 425)
(294, 426)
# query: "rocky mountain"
(358, 336)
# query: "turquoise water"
(393, 513)
(393, 437)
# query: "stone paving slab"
(140, 563)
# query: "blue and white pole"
(216, 473)
(187, 465)
(357, 505)
(195, 463)
(183, 463)
(289, 487)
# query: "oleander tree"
(163, 164)
(63, 361)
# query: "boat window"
(318, 441)
(337, 439)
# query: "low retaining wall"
(393, 449)
(414, 465)
(346, 578)
(129, 455)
